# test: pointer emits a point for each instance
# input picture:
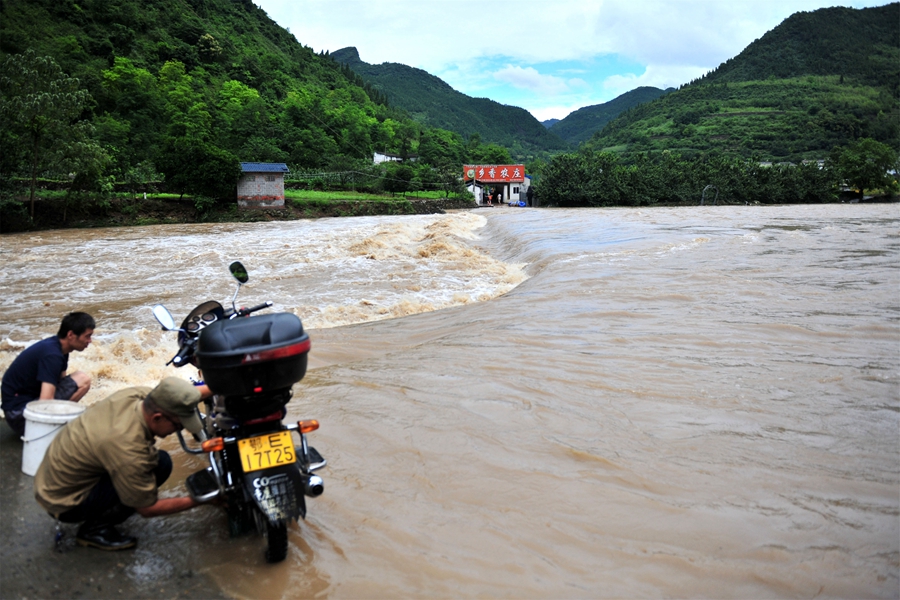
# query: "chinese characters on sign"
(495, 173)
(276, 495)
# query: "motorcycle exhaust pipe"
(313, 486)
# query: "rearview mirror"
(164, 317)
(239, 272)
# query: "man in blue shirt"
(39, 372)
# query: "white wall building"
(497, 184)
(382, 157)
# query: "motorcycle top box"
(253, 356)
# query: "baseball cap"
(180, 398)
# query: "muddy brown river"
(531, 403)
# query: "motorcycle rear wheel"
(277, 540)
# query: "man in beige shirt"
(104, 466)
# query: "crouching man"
(39, 372)
(104, 466)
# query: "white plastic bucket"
(43, 420)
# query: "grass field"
(341, 196)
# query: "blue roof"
(252, 167)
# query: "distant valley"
(431, 101)
(818, 80)
(580, 125)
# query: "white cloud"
(530, 79)
(478, 45)
(435, 34)
(653, 76)
(554, 112)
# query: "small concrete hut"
(261, 185)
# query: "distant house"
(382, 157)
(261, 185)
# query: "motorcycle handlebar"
(180, 359)
(243, 312)
(186, 350)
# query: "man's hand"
(167, 506)
(48, 391)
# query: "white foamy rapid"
(329, 272)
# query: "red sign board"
(495, 173)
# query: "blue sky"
(550, 57)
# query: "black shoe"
(105, 537)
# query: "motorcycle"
(249, 364)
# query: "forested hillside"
(580, 125)
(101, 94)
(863, 46)
(105, 91)
(818, 80)
(429, 100)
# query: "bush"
(13, 216)
(866, 164)
(397, 178)
(203, 205)
(199, 168)
(598, 179)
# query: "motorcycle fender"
(278, 492)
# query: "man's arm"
(167, 506)
(48, 367)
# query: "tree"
(189, 116)
(490, 154)
(130, 117)
(405, 134)
(242, 114)
(198, 168)
(865, 165)
(397, 177)
(450, 181)
(569, 180)
(40, 106)
(441, 148)
(141, 175)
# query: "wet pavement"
(31, 566)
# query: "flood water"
(690, 402)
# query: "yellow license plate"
(264, 451)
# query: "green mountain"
(580, 125)
(186, 88)
(430, 101)
(818, 80)
(862, 45)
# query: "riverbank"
(62, 213)
(33, 566)
(54, 211)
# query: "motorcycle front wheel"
(240, 521)
(277, 540)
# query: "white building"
(382, 157)
(497, 184)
